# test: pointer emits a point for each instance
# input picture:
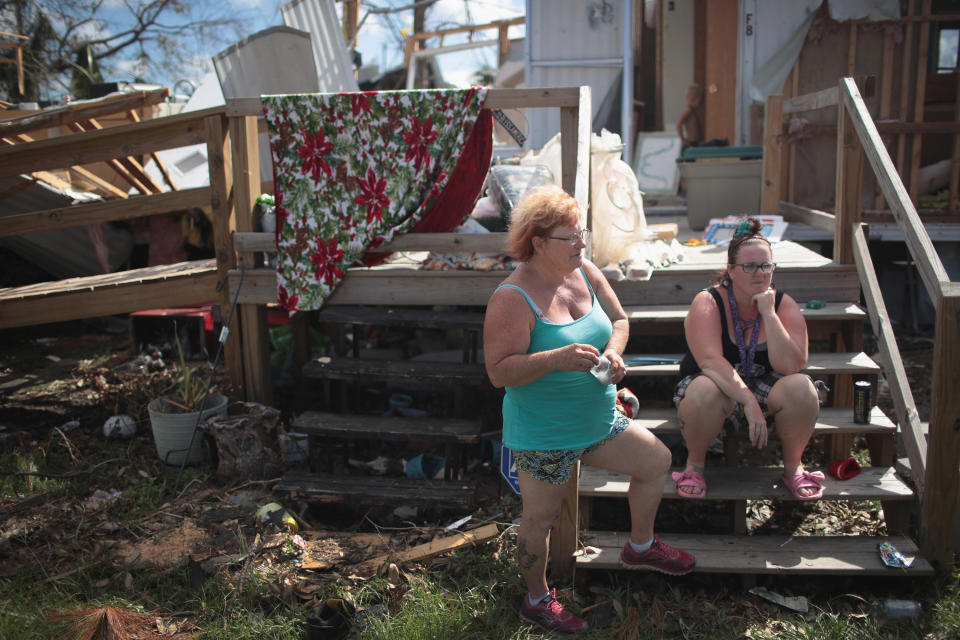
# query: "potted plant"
(175, 415)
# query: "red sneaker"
(660, 557)
(551, 615)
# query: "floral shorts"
(554, 465)
(760, 386)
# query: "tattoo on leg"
(525, 559)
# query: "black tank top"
(761, 360)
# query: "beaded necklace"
(746, 355)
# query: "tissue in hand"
(601, 371)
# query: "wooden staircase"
(736, 483)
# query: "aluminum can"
(861, 402)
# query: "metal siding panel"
(319, 19)
(561, 30)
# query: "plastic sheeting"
(781, 28)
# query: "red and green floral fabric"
(353, 170)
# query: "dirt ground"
(59, 383)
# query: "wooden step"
(381, 490)
(402, 317)
(336, 368)
(668, 364)
(832, 421)
(676, 313)
(370, 427)
(755, 483)
(842, 555)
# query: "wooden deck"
(400, 282)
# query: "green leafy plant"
(186, 394)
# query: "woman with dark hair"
(747, 344)
(550, 322)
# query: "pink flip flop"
(690, 479)
(805, 480)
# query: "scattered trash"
(69, 426)
(893, 558)
(332, 622)
(121, 426)
(425, 465)
(298, 447)
(405, 512)
(101, 497)
(274, 513)
(845, 469)
(897, 609)
(628, 402)
(53, 358)
(794, 603)
(459, 523)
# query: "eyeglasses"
(583, 235)
(751, 267)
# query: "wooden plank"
(722, 27)
(100, 183)
(157, 160)
(955, 157)
(94, 146)
(921, 248)
(848, 206)
(496, 99)
(773, 150)
(820, 220)
(182, 284)
(330, 489)
(906, 73)
(894, 372)
(831, 421)
(852, 50)
(367, 427)
(939, 504)
(92, 213)
(662, 313)
(456, 540)
(400, 317)
(756, 483)
(132, 165)
(886, 93)
(831, 555)
(406, 287)
(794, 87)
(83, 110)
(817, 364)
(220, 167)
(919, 99)
(811, 101)
(436, 242)
(336, 368)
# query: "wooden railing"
(933, 462)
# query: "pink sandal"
(692, 479)
(805, 480)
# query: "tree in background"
(76, 43)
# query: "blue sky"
(377, 42)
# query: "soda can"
(861, 402)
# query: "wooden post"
(848, 212)
(221, 207)
(575, 169)
(939, 503)
(791, 168)
(919, 99)
(906, 74)
(886, 92)
(563, 536)
(770, 192)
(253, 317)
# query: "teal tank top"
(563, 409)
